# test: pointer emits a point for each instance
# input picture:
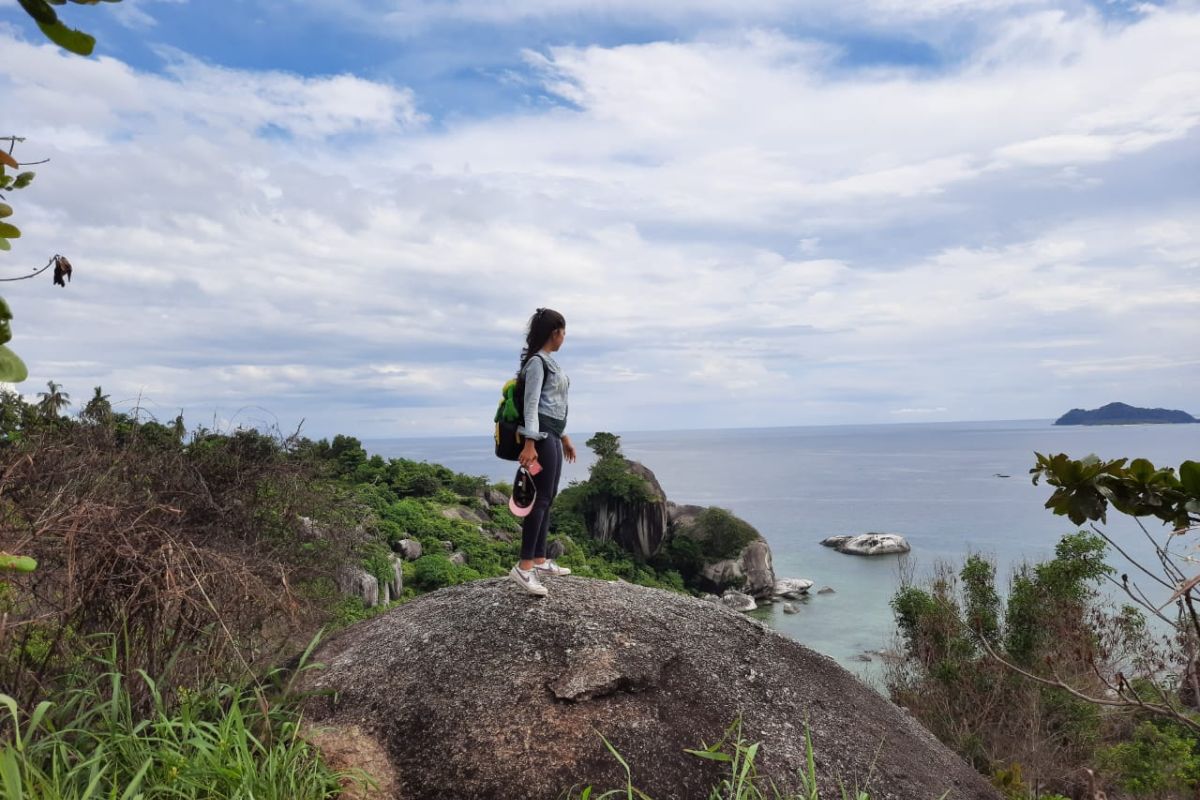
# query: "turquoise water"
(936, 484)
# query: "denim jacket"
(545, 394)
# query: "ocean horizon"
(951, 488)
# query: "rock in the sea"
(791, 608)
(825, 590)
(477, 691)
(869, 544)
(751, 571)
(738, 601)
(792, 588)
(409, 549)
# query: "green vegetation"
(106, 736)
(1055, 679)
(232, 544)
(714, 535)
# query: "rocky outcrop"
(738, 601)
(645, 528)
(639, 527)
(750, 571)
(354, 581)
(390, 590)
(472, 515)
(869, 544)
(792, 588)
(481, 691)
(409, 549)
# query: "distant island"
(1122, 414)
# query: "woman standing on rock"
(545, 410)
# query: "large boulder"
(481, 691)
(791, 588)
(750, 571)
(738, 601)
(409, 549)
(639, 527)
(869, 544)
(354, 581)
(472, 515)
(390, 589)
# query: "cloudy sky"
(751, 213)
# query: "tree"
(605, 445)
(1084, 490)
(98, 409)
(52, 401)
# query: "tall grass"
(235, 742)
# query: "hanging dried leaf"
(62, 268)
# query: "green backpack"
(510, 416)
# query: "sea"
(951, 489)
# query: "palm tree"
(53, 401)
(98, 409)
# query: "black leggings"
(535, 526)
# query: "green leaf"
(77, 42)
(1189, 476)
(5, 210)
(4, 244)
(9, 231)
(12, 368)
(40, 10)
(23, 180)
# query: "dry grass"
(191, 555)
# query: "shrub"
(1160, 759)
(975, 703)
(435, 571)
(720, 534)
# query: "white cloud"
(730, 225)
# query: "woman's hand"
(528, 454)
(568, 449)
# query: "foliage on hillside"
(215, 553)
(1055, 678)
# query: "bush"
(1050, 626)
(1161, 759)
(720, 534)
(435, 571)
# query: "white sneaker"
(528, 581)
(548, 567)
